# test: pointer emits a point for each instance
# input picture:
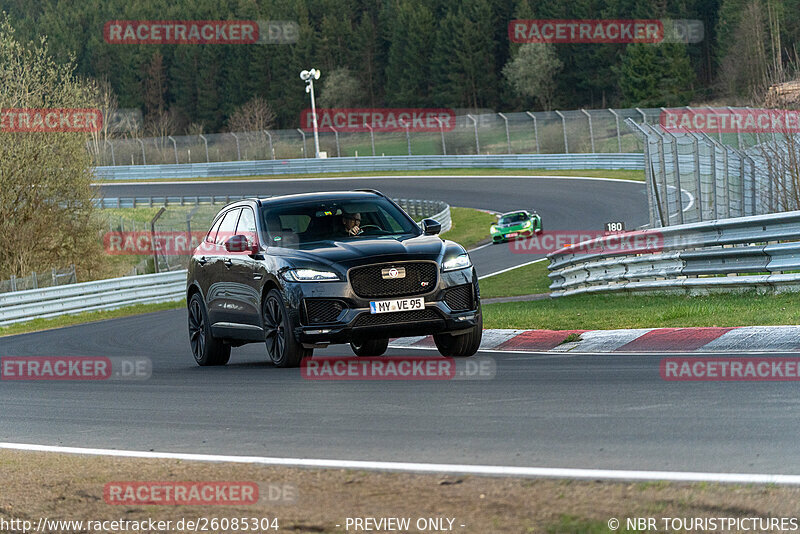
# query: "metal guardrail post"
(564, 127)
(477, 142)
(591, 130)
(305, 151)
(508, 135)
(535, 130)
(205, 141)
(271, 149)
(619, 137)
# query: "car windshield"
(301, 223)
(513, 218)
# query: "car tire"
(463, 345)
(206, 349)
(370, 347)
(282, 347)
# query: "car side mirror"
(431, 226)
(239, 243)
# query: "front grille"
(322, 311)
(375, 319)
(367, 282)
(459, 298)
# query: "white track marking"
(334, 178)
(486, 470)
(510, 268)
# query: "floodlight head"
(305, 75)
(316, 73)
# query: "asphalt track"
(578, 411)
(564, 203)
(607, 411)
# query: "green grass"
(592, 173)
(601, 312)
(470, 226)
(577, 525)
(68, 320)
(528, 280)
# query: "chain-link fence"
(542, 132)
(699, 176)
(40, 279)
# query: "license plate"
(396, 305)
(513, 234)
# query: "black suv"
(304, 271)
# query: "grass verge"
(470, 227)
(68, 320)
(528, 280)
(70, 487)
(601, 312)
(592, 173)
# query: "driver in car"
(351, 224)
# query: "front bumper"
(349, 325)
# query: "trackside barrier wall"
(722, 255)
(634, 161)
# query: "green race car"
(514, 225)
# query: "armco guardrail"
(633, 161)
(693, 258)
(435, 209)
(91, 296)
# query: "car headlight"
(493, 229)
(457, 262)
(310, 275)
(527, 224)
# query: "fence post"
(564, 127)
(144, 159)
(238, 149)
(591, 130)
(35, 280)
(738, 131)
(336, 133)
(372, 135)
(644, 115)
(55, 277)
(477, 143)
(698, 182)
(408, 136)
(677, 172)
(305, 152)
(508, 136)
(535, 130)
(441, 130)
(205, 141)
(175, 147)
(619, 137)
(271, 149)
(113, 158)
(153, 237)
(13, 282)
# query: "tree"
(655, 75)
(255, 115)
(46, 198)
(532, 73)
(340, 89)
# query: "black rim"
(197, 330)
(273, 328)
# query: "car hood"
(354, 252)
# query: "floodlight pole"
(309, 76)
